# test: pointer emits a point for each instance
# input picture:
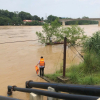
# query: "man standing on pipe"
(41, 66)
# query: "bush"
(89, 80)
(92, 53)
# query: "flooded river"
(19, 55)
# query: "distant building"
(27, 21)
(31, 21)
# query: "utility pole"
(64, 58)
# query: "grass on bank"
(77, 75)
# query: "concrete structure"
(99, 23)
(92, 19)
(52, 90)
(34, 96)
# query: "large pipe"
(55, 94)
(71, 88)
(7, 98)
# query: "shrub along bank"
(88, 71)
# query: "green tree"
(11, 15)
(84, 17)
(51, 18)
(35, 17)
(72, 33)
(92, 53)
(1, 21)
(42, 18)
(24, 16)
(48, 32)
(5, 21)
(16, 20)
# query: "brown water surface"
(18, 56)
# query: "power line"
(75, 55)
(79, 57)
(78, 52)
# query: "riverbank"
(75, 75)
(86, 72)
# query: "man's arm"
(38, 63)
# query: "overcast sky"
(60, 8)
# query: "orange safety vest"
(41, 62)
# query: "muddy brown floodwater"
(18, 56)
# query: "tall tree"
(35, 17)
(51, 18)
(24, 15)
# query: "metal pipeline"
(7, 98)
(71, 88)
(54, 94)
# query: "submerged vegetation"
(88, 71)
(48, 32)
(56, 33)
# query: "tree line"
(16, 18)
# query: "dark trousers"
(42, 71)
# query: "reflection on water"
(18, 59)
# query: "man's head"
(41, 56)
